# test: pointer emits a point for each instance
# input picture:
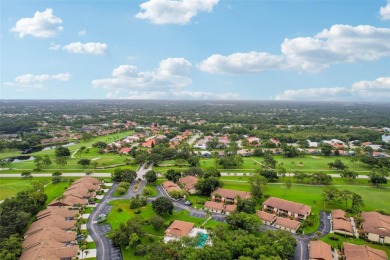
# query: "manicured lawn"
(10, 186)
(55, 190)
(9, 153)
(341, 239)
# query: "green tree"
(242, 220)
(84, 162)
(338, 164)
(57, 177)
(162, 206)
(326, 149)
(377, 178)
(357, 203)
(38, 161)
(258, 186)
(61, 151)
(26, 175)
(46, 161)
(287, 186)
(207, 186)
(348, 174)
(150, 176)
(173, 175)
(157, 222)
(61, 161)
(11, 247)
(246, 205)
(269, 160)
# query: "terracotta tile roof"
(230, 208)
(48, 234)
(288, 223)
(60, 212)
(179, 228)
(56, 222)
(189, 181)
(231, 194)
(213, 205)
(339, 214)
(265, 216)
(125, 150)
(49, 250)
(87, 179)
(68, 201)
(170, 186)
(376, 223)
(320, 250)
(343, 225)
(362, 252)
(290, 206)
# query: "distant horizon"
(196, 50)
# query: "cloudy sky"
(196, 49)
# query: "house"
(230, 208)
(376, 227)
(170, 186)
(386, 138)
(69, 201)
(275, 141)
(179, 229)
(244, 153)
(362, 252)
(214, 206)
(54, 140)
(286, 208)
(225, 195)
(189, 183)
(312, 144)
(287, 224)
(50, 250)
(253, 141)
(319, 250)
(200, 146)
(339, 214)
(343, 227)
(50, 222)
(149, 143)
(125, 150)
(266, 217)
(51, 234)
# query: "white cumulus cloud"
(385, 11)
(366, 90)
(174, 11)
(171, 73)
(93, 48)
(82, 32)
(339, 44)
(42, 25)
(250, 62)
(29, 80)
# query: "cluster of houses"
(188, 183)
(52, 235)
(341, 224)
(283, 214)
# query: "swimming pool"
(202, 238)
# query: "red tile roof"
(179, 228)
(361, 252)
(230, 208)
(265, 216)
(290, 206)
(213, 205)
(342, 225)
(339, 214)
(189, 181)
(288, 223)
(320, 250)
(231, 194)
(376, 223)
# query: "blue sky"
(196, 49)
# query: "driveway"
(103, 246)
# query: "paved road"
(103, 246)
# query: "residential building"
(179, 229)
(189, 183)
(170, 186)
(343, 227)
(319, 250)
(213, 206)
(286, 208)
(287, 224)
(230, 208)
(266, 217)
(376, 227)
(362, 252)
(50, 250)
(225, 195)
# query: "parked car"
(188, 203)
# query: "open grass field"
(341, 239)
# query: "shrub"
(137, 211)
(121, 190)
(119, 210)
(333, 237)
(147, 191)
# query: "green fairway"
(53, 191)
(10, 186)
